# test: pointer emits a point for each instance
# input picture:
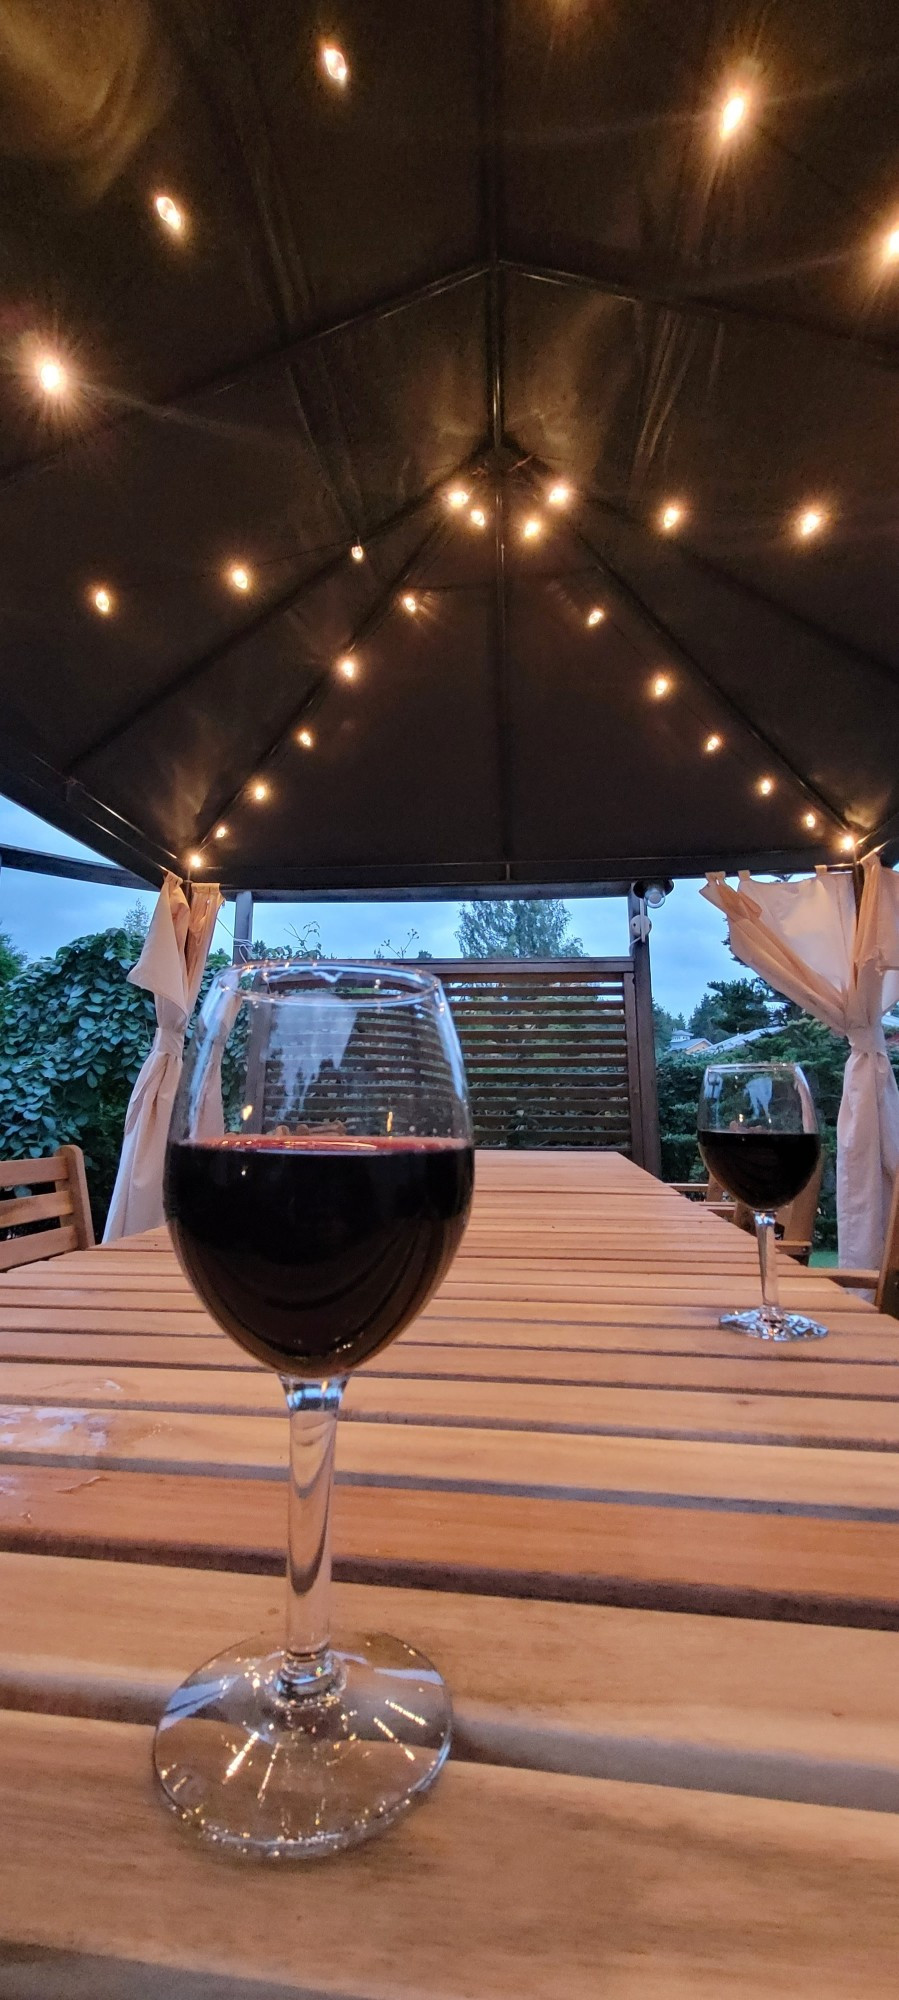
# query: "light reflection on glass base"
(766, 1324)
(295, 1781)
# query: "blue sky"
(41, 913)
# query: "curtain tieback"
(867, 1040)
(169, 1042)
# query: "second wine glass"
(758, 1136)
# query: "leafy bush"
(73, 1036)
(823, 1057)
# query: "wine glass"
(758, 1136)
(318, 1180)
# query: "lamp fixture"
(661, 685)
(712, 743)
(102, 600)
(195, 861)
(766, 787)
(221, 833)
(596, 616)
(169, 213)
(478, 517)
(347, 666)
(305, 737)
(671, 516)
(51, 374)
(531, 529)
(457, 497)
(409, 602)
(239, 577)
(733, 113)
(848, 843)
(810, 820)
(334, 63)
(559, 495)
(357, 552)
(259, 791)
(809, 522)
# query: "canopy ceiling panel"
(302, 321)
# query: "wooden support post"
(647, 1082)
(243, 927)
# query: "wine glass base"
(770, 1325)
(257, 1774)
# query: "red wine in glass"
(758, 1135)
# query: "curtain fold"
(171, 967)
(841, 965)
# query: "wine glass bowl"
(758, 1135)
(318, 1180)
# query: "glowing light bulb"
(347, 667)
(334, 63)
(531, 529)
(890, 245)
(810, 820)
(357, 552)
(559, 495)
(848, 843)
(671, 516)
(195, 861)
(457, 497)
(766, 787)
(169, 213)
(102, 600)
(596, 616)
(711, 744)
(305, 737)
(478, 517)
(259, 791)
(51, 375)
(733, 114)
(409, 603)
(661, 686)
(239, 577)
(221, 833)
(810, 522)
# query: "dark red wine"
(314, 1252)
(764, 1169)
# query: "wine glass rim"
(296, 980)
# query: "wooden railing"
(554, 1052)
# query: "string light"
(532, 528)
(711, 744)
(259, 791)
(221, 833)
(671, 516)
(239, 577)
(169, 213)
(102, 600)
(848, 843)
(890, 246)
(733, 114)
(478, 517)
(334, 63)
(810, 820)
(357, 552)
(51, 375)
(409, 603)
(305, 737)
(559, 495)
(596, 616)
(195, 861)
(766, 787)
(810, 522)
(457, 497)
(661, 685)
(347, 666)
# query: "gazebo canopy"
(257, 312)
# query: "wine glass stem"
(764, 1230)
(308, 1667)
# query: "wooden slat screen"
(549, 1047)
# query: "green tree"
(11, 959)
(664, 1025)
(526, 928)
(732, 1007)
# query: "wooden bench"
(42, 1224)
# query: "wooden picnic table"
(657, 1562)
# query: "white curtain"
(171, 967)
(806, 939)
